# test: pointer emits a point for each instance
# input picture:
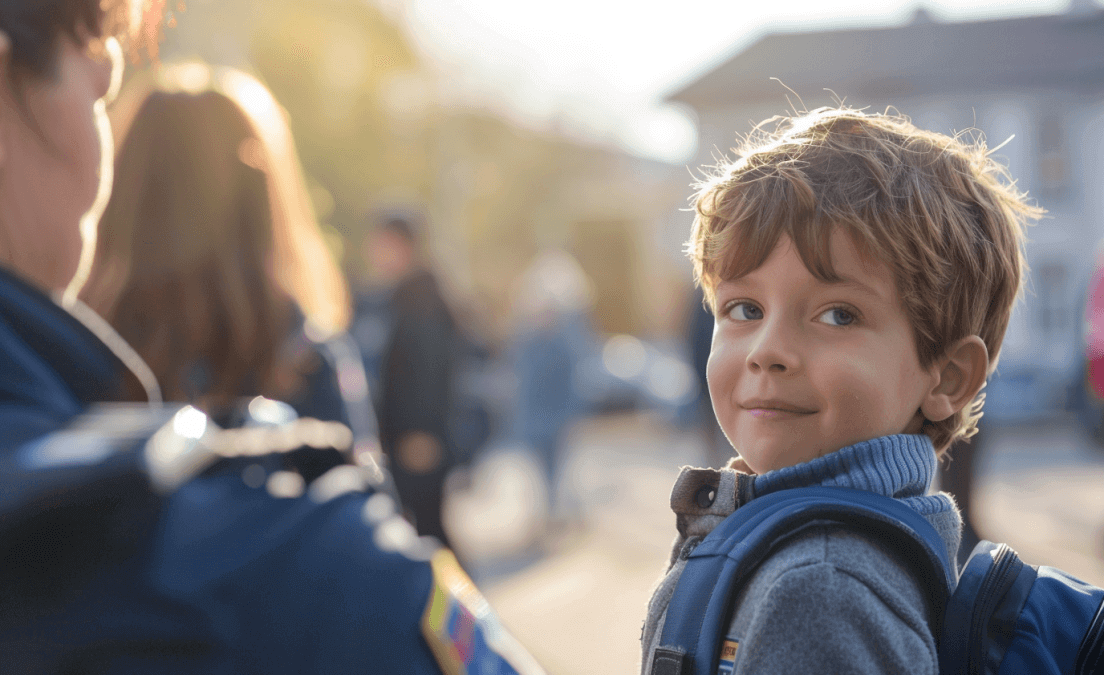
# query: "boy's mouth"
(773, 408)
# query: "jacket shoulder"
(336, 578)
(33, 398)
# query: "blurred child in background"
(553, 335)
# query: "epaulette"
(121, 455)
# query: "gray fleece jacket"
(828, 600)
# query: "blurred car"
(628, 373)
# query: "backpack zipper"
(996, 583)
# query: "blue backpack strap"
(714, 570)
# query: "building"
(1034, 86)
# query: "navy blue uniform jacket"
(222, 579)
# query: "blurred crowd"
(230, 432)
(211, 263)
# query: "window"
(1053, 157)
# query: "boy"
(862, 273)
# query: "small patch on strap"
(463, 632)
(728, 657)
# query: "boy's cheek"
(726, 357)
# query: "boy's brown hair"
(938, 211)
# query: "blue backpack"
(1000, 616)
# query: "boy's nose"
(774, 352)
(771, 365)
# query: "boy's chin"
(779, 458)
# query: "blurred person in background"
(699, 337)
(1089, 393)
(210, 261)
(553, 335)
(407, 335)
(215, 576)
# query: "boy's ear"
(959, 376)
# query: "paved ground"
(575, 596)
(1041, 490)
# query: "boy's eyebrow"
(859, 286)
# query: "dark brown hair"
(939, 211)
(34, 28)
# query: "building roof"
(925, 55)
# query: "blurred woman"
(210, 261)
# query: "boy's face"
(800, 367)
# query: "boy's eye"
(745, 311)
(837, 316)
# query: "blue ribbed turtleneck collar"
(900, 466)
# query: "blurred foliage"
(358, 101)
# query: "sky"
(599, 69)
